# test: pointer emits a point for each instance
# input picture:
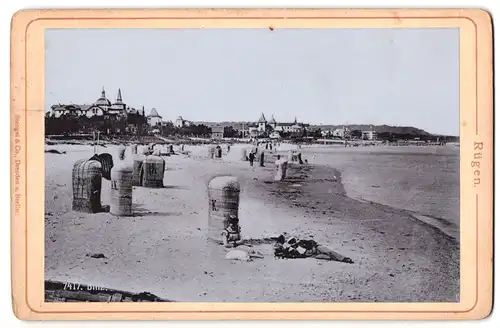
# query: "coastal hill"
(407, 130)
(377, 128)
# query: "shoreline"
(419, 180)
(338, 188)
(408, 234)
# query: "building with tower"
(110, 117)
(262, 123)
(154, 118)
(102, 107)
(273, 123)
(118, 107)
(263, 127)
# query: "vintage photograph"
(252, 165)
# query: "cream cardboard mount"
(30, 285)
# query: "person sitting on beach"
(301, 248)
(251, 158)
(231, 235)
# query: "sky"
(402, 77)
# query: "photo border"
(476, 182)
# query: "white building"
(101, 107)
(217, 132)
(93, 111)
(275, 135)
(180, 122)
(369, 135)
(154, 118)
(261, 123)
(59, 110)
(325, 133)
(294, 128)
(340, 133)
(253, 131)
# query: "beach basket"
(87, 180)
(281, 170)
(153, 170)
(223, 200)
(121, 190)
(137, 170)
(165, 149)
(284, 168)
(244, 155)
(211, 152)
(218, 152)
(106, 161)
(121, 153)
(134, 149)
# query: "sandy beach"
(362, 203)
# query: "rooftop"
(103, 101)
(154, 113)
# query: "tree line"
(133, 124)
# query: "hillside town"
(118, 119)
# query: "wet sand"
(162, 249)
(425, 180)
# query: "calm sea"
(424, 180)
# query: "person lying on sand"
(301, 248)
